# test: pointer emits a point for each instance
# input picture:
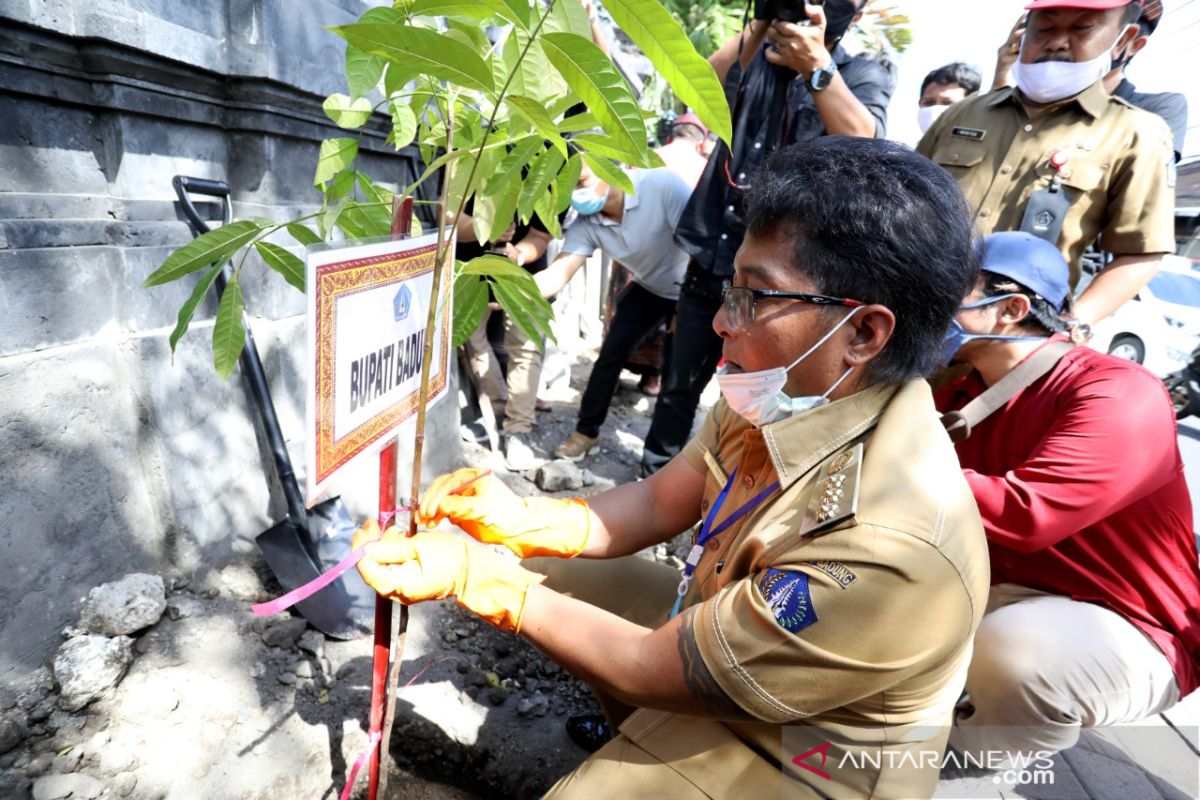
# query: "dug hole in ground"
(169, 687)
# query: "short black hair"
(874, 221)
(686, 130)
(959, 72)
(1042, 317)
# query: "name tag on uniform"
(975, 134)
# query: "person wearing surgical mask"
(944, 87)
(1091, 618)
(1058, 157)
(823, 502)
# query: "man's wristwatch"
(822, 77)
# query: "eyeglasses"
(739, 302)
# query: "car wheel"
(1181, 398)
(1128, 347)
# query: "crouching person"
(839, 568)
(1094, 615)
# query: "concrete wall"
(115, 456)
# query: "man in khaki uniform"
(840, 569)
(1060, 131)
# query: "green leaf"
(404, 125)
(478, 10)
(604, 145)
(365, 220)
(383, 14)
(531, 75)
(609, 172)
(516, 292)
(397, 76)
(303, 234)
(593, 77)
(519, 10)
(493, 266)
(514, 162)
(347, 112)
(329, 217)
(204, 250)
(470, 304)
(547, 211)
(283, 262)
(523, 302)
(434, 53)
(229, 334)
(363, 71)
(564, 184)
(189, 308)
(535, 112)
(341, 185)
(537, 183)
(578, 122)
(474, 32)
(457, 192)
(662, 40)
(335, 156)
(495, 212)
(569, 16)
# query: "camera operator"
(787, 80)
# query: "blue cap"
(1032, 262)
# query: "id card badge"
(1046, 212)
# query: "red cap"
(1091, 5)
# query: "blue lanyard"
(707, 532)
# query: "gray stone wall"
(116, 456)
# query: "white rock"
(559, 476)
(136, 601)
(88, 665)
(76, 786)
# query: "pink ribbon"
(321, 581)
(372, 741)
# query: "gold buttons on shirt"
(748, 481)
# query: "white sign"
(367, 309)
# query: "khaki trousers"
(518, 394)
(1046, 666)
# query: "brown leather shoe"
(577, 446)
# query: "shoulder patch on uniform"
(842, 574)
(976, 134)
(835, 495)
(789, 599)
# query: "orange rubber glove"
(434, 565)
(484, 507)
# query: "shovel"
(308, 542)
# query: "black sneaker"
(589, 731)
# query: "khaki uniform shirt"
(841, 609)
(1119, 172)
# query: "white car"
(1161, 326)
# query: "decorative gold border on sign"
(351, 277)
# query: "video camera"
(785, 10)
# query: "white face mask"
(758, 397)
(927, 115)
(1051, 81)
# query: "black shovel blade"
(345, 609)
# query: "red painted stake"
(401, 228)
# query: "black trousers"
(638, 312)
(688, 368)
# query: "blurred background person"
(944, 87)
